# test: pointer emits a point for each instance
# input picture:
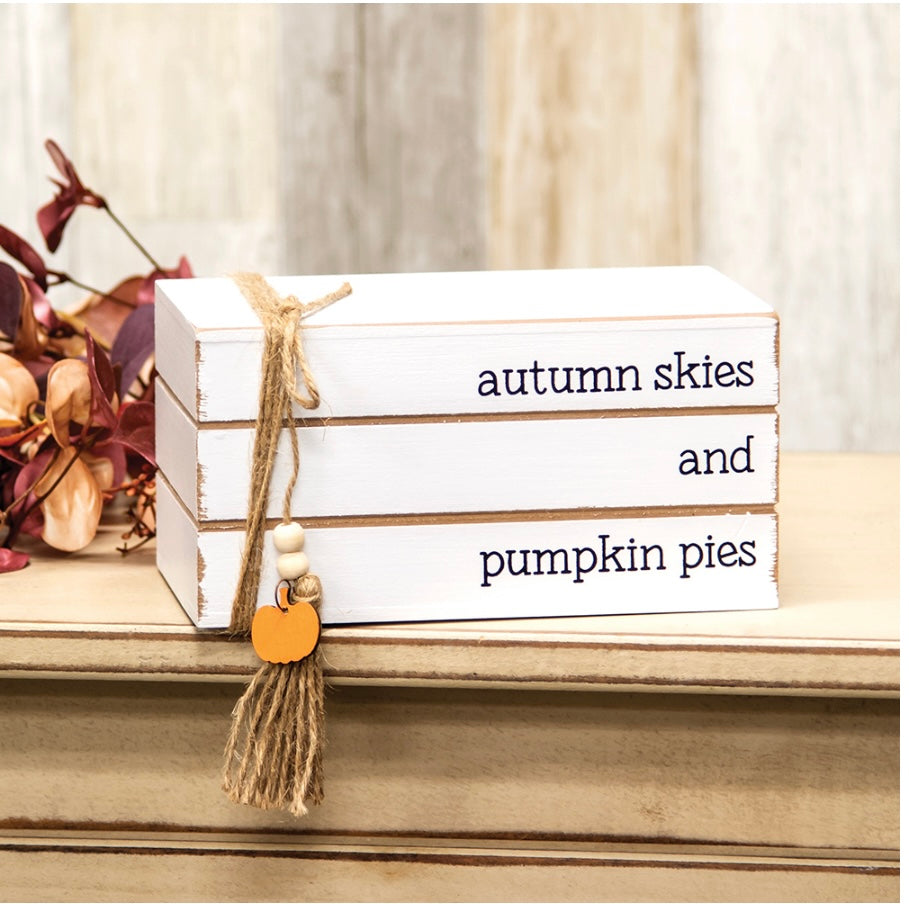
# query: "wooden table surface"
(98, 613)
(709, 756)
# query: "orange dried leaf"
(18, 390)
(69, 397)
(72, 510)
(31, 337)
(66, 346)
(102, 469)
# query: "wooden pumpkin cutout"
(285, 633)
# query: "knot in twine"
(273, 758)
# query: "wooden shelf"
(96, 614)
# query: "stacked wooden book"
(489, 445)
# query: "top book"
(482, 343)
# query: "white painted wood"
(177, 350)
(177, 545)
(473, 466)
(799, 189)
(478, 296)
(472, 368)
(421, 343)
(463, 571)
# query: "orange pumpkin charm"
(285, 634)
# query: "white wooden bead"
(292, 565)
(288, 537)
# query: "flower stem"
(64, 277)
(15, 526)
(125, 550)
(4, 515)
(80, 447)
(131, 237)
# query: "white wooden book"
(403, 467)
(477, 343)
(588, 564)
(489, 445)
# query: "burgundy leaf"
(41, 305)
(105, 314)
(116, 454)
(136, 429)
(53, 217)
(9, 456)
(134, 345)
(33, 523)
(148, 393)
(101, 377)
(38, 368)
(147, 292)
(14, 435)
(24, 486)
(29, 475)
(25, 516)
(15, 438)
(52, 220)
(10, 301)
(16, 247)
(59, 158)
(10, 560)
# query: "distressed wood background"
(760, 139)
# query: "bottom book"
(408, 570)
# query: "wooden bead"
(292, 565)
(288, 537)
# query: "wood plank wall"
(591, 135)
(762, 140)
(799, 176)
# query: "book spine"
(453, 369)
(476, 465)
(603, 565)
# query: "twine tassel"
(273, 756)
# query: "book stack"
(488, 445)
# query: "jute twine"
(273, 758)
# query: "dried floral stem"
(126, 550)
(4, 514)
(64, 277)
(133, 484)
(62, 474)
(131, 237)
